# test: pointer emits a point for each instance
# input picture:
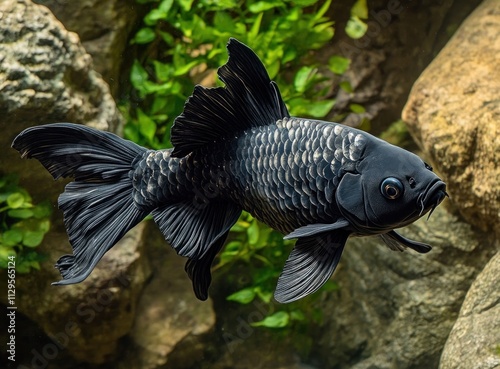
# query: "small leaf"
(20, 213)
(12, 237)
(144, 36)
(356, 28)
(279, 319)
(346, 86)
(360, 9)
(262, 6)
(147, 126)
(244, 296)
(253, 233)
(356, 108)
(302, 77)
(15, 200)
(319, 109)
(338, 64)
(32, 238)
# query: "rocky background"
(63, 60)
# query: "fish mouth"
(431, 197)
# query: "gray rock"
(170, 320)
(474, 342)
(45, 77)
(453, 113)
(103, 27)
(395, 310)
(86, 320)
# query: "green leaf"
(42, 210)
(356, 108)
(138, 76)
(186, 4)
(12, 237)
(5, 253)
(253, 233)
(20, 213)
(279, 319)
(32, 238)
(147, 126)
(244, 296)
(346, 86)
(356, 28)
(338, 64)
(262, 6)
(320, 109)
(15, 200)
(302, 78)
(144, 36)
(297, 315)
(360, 9)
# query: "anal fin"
(310, 264)
(192, 229)
(199, 270)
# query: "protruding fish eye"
(391, 188)
(427, 166)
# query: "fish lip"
(432, 196)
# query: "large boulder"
(454, 110)
(474, 341)
(46, 76)
(104, 29)
(395, 310)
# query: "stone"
(104, 29)
(395, 310)
(453, 113)
(170, 320)
(87, 320)
(46, 76)
(402, 38)
(474, 341)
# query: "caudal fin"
(98, 205)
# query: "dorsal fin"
(249, 99)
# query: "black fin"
(249, 99)
(313, 229)
(191, 229)
(98, 206)
(199, 270)
(397, 242)
(309, 266)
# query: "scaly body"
(288, 171)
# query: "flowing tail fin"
(98, 205)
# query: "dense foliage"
(22, 226)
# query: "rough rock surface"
(103, 28)
(45, 77)
(395, 310)
(402, 38)
(88, 319)
(454, 113)
(474, 341)
(168, 313)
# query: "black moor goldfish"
(235, 148)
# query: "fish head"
(390, 188)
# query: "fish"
(235, 148)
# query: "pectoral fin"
(314, 229)
(399, 243)
(310, 264)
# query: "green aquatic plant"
(185, 42)
(23, 226)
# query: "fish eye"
(391, 188)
